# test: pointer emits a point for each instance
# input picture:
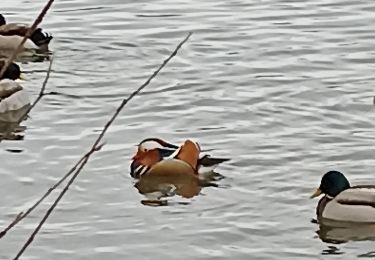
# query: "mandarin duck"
(342, 202)
(11, 35)
(165, 177)
(154, 150)
(12, 95)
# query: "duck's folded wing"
(38, 37)
(11, 42)
(13, 29)
(353, 205)
(14, 102)
(357, 195)
(8, 87)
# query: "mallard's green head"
(333, 182)
(13, 71)
(2, 20)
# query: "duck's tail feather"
(208, 164)
(208, 161)
(40, 38)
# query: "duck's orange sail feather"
(189, 153)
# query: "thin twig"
(14, 222)
(41, 92)
(96, 146)
(22, 215)
(29, 32)
(24, 115)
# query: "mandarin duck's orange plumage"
(169, 176)
(164, 169)
(152, 151)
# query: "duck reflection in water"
(10, 129)
(337, 232)
(163, 170)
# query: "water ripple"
(283, 88)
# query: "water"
(284, 88)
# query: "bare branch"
(95, 147)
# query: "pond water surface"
(283, 88)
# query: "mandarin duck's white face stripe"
(155, 143)
(149, 145)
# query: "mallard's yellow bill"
(316, 193)
(23, 77)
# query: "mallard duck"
(12, 95)
(153, 150)
(11, 35)
(342, 202)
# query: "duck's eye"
(145, 150)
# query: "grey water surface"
(282, 87)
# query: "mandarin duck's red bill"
(152, 151)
